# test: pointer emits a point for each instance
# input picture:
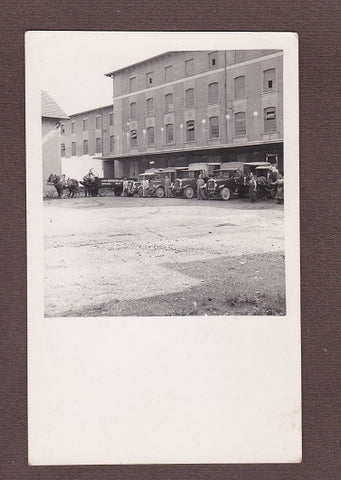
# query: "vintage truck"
(229, 179)
(232, 179)
(156, 181)
(186, 182)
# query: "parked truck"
(186, 182)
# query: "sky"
(71, 66)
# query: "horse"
(58, 182)
(73, 187)
(89, 183)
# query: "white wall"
(78, 167)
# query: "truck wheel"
(102, 192)
(225, 193)
(189, 192)
(117, 193)
(159, 192)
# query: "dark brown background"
(317, 23)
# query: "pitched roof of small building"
(49, 108)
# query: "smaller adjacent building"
(51, 116)
(84, 139)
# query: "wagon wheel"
(225, 193)
(102, 192)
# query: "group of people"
(145, 184)
(278, 184)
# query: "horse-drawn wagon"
(101, 187)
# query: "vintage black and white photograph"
(163, 204)
(166, 195)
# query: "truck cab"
(186, 182)
(228, 179)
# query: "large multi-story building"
(182, 107)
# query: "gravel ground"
(148, 256)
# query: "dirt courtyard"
(147, 256)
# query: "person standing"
(252, 184)
(125, 187)
(279, 196)
(167, 186)
(200, 186)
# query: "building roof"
(171, 52)
(110, 74)
(97, 109)
(49, 108)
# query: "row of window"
(268, 75)
(213, 94)
(85, 124)
(213, 129)
(168, 71)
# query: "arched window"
(112, 143)
(133, 111)
(270, 124)
(150, 107)
(189, 98)
(240, 123)
(213, 93)
(133, 138)
(269, 80)
(214, 127)
(169, 133)
(169, 106)
(239, 87)
(150, 135)
(190, 131)
(85, 147)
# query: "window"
(149, 79)
(189, 98)
(112, 143)
(168, 73)
(85, 147)
(169, 133)
(85, 125)
(133, 138)
(73, 127)
(150, 135)
(270, 119)
(150, 107)
(214, 127)
(98, 122)
(169, 107)
(73, 149)
(239, 87)
(190, 131)
(62, 150)
(212, 59)
(240, 123)
(133, 111)
(98, 145)
(111, 119)
(62, 129)
(269, 80)
(132, 84)
(213, 93)
(189, 67)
